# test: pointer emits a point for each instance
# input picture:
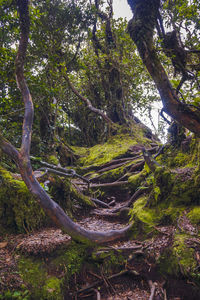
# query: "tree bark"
(140, 28)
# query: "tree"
(146, 17)
(22, 156)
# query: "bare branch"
(87, 101)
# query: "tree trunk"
(141, 29)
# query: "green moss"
(33, 274)
(136, 180)
(113, 175)
(181, 159)
(41, 285)
(116, 147)
(167, 263)
(18, 295)
(146, 218)
(80, 197)
(65, 194)
(186, 189)
(179, 259)
(194, 215)
(19, 211)
(52, 159)
(184, 254)
(52, 289)
(145, 215)
(110, 261)
(72, 260)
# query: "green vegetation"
(19, 211)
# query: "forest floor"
(138, 280)
(138, 276)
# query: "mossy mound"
(19, 210)
(174, 196)
(116, 147)
(180, 258)
(49, 278)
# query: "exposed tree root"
(109, 184)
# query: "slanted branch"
(88, 102)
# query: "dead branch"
(111, 167)
(100, 203)
(119, 160)
(139, 192)
(136, 247)
(153, 289)
(65, 173)
(134, 197)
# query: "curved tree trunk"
(140, 28)
(22, 157)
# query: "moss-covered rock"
(66, 195)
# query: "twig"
(98, 294)
(94, 274)
(153, 288)
(136, 247)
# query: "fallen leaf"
(3, 245)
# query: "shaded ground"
(141, 257)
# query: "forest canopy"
(80, 42)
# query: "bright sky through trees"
(122, 9)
